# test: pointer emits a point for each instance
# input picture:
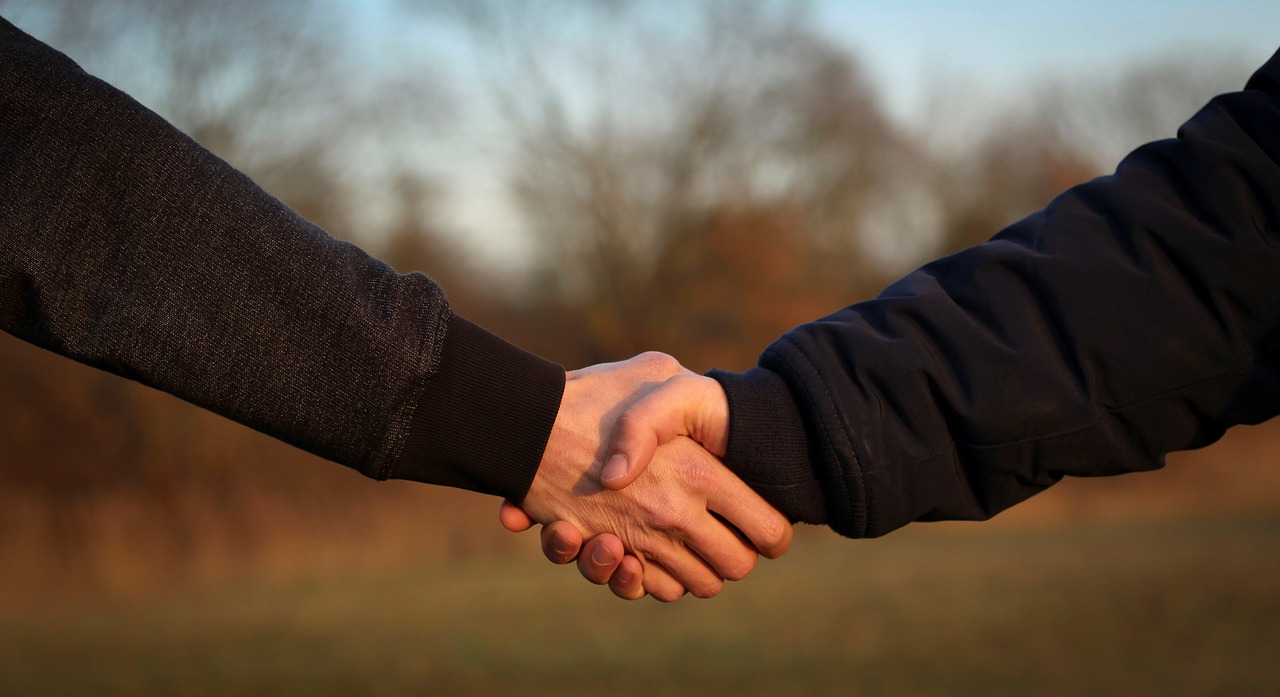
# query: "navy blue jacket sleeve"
(1137, 314)
(128, 247)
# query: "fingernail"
(615, 468)
(562, 546)
(625, 576)
(601, 556)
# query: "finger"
(721, 547)
(628, 580)
(735, 522)
(687, 568)
(763, 526)
(600, 557)
(513, 517)
(660, 584)
(561, 541)
(684, 405)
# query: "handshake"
(632, 469)
(1136, 315)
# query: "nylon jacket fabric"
(1137, 314)
(127, 246)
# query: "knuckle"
(625, 592)
(629, 423)
(667, 516)
(775, 536)
(659, 363)
(647, 547)
(708, 589)
(697, 476)
(643, 544)
(740, 568)
(668, 595)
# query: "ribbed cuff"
(768, 446)
(484, 418)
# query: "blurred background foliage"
(696, 189)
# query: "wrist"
(483, 420)
(768, 446)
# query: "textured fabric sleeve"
(1136, 315)
(128, 247)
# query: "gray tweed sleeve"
(126, 246)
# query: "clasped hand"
(631, 468)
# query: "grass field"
(1137, 608)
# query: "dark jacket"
(1137, 314)
(127, 246)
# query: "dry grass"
(1186, 608)
(259, 571)
(122, 545)
(292, 515)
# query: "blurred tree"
(1110, 115)
(1064, 133)
(1015, 169)
(266, 87)
(272, 88)
(243, 78)
(677, 173)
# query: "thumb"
(684, 405)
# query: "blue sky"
(992, 49)
(1000, 44)
(1004, 43)
(989, 51)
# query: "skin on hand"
(562, 543)
(685, 405)
(665, 518)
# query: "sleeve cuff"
(768, 447)
(483, 420)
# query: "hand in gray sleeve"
(128, 247)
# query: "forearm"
(1136, 315)
(126, 246)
